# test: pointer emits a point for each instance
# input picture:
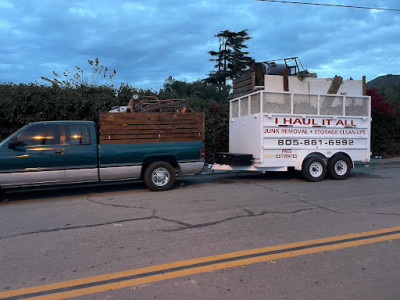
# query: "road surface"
(221, 236)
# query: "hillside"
(384, 84)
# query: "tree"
(392, 96)
(94, 75)
(385, 126)
(197, 90)
(230, 60)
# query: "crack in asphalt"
(115, 205)
(266, 187)
(386, 214)
(249, 214)
(76, 227)
(186, 226)
(375, 213)
(153, 216)
(319, 206)
(298, 198)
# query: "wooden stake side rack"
(122, 128)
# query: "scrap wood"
(152, 103)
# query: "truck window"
(77, 135)
(40, 134)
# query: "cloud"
(148, 41)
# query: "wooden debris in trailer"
(244, 84)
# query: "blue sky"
(147, 41)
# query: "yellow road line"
(112, 281)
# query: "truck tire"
(339, 167)
(159, 176)
(314, 169)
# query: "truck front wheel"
(314, 169)
(159, 176)
(339, 167)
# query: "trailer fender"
(344, 153)
(305, 155)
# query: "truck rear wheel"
(159, 176)
(339, 167)
(314, 169)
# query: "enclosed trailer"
(307, 127)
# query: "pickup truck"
(66, 152)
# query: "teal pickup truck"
(66, 152)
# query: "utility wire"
(332, 5)
(393, 57)
(387, 64)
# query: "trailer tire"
(314, 169)
(339, 167)
(159, 176)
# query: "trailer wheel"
(314, 169)
(339, 167)
(159, 176)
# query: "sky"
(148, 41)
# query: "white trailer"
(305, 128)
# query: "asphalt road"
(53, 236)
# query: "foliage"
(26, 103)
(392, 96)
(216, 129)
(379, 105)
(94, 75)
(174, 89)
(385, 131)
(206, 98)
(230, 59)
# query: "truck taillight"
(202, 153)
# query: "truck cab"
(42, 152)
(66, 152)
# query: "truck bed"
(121, 128)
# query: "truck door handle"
(59, 152)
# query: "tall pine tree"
(230, 60)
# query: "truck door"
(36, 156)
(80, 153)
